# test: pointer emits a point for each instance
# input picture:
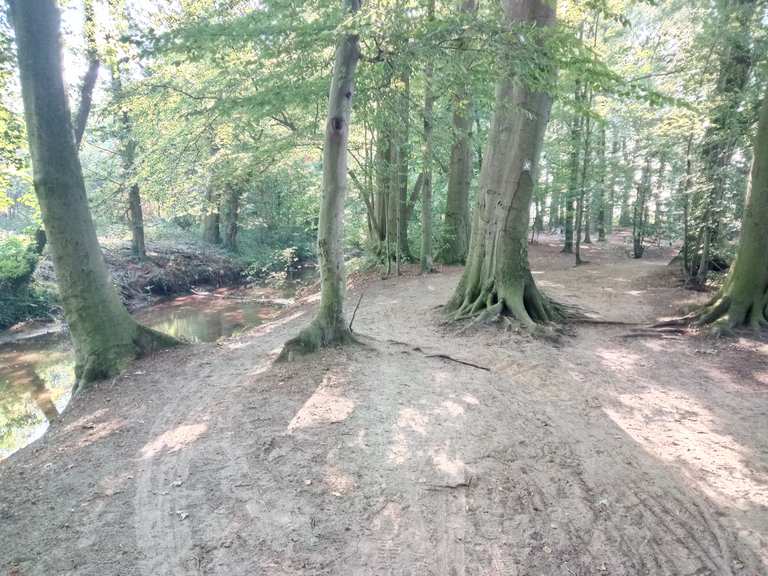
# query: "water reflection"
(37, 374)
(36, 378)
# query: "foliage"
(19, 297)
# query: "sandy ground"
(598, 454)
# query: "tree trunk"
(426, 193)
(329, 327)
(725, 126)
(601, 211)
(497, 279)
(138, 248)
(640, 214)
(455, 237)
(211, 233)
(573, 180)
(91, 75)
(625, 218)
(128, 147)
(105, 336)
(580, 208)
(743, 299)
(230, 212)
(403, 155)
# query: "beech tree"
(105, 336)
(743, 299)
(497, 279)
(456, 228)
(329, 326)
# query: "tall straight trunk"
(580, 208)
(658, 219)
(230, 212)
(211, 219)
(136, 214)
(573, 179)
(135, 211)
(328, 326)
(104, 335)
(497, 278)
(685, 190)
(128, 146)
(91, 74)
(614, 178)
(383, 178)
(725, 126)
(625, 216)
(403, 156)
(640, 213)
(426, 193)
(743, 299)
(455, 237)
(601, 208)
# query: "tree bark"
(128, 146)
(138, 248)
(230, 211)
(91, 75)
(497, 279)
(426, 193)
(105, 336)
(601, 211)
(743, 299)
(328, 326)
(573, 179)
(211, 219)
(455, 237)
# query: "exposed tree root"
(520, 300)
(724, 315)
(439, 355)
(319, 334)
(107, 362)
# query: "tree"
(329, 326)
(105, 336)
(456, 231)
(426, 193)
(743, 299)
(497, 279)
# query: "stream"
(37, 371)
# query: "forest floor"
(596, 454)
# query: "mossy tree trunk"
(105, 336)
(329, 326)
(497, 279)
(743, 299)
(455, 237)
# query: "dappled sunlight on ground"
(676, 428)
(619, 360)
(174, 440)
(325, 406)
(408, 420)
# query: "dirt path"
(596, 455)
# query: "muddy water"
(37, 374)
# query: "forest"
(403, 287)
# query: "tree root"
(108, 362)
(723, 316)
(439, 355)
(319, 334)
